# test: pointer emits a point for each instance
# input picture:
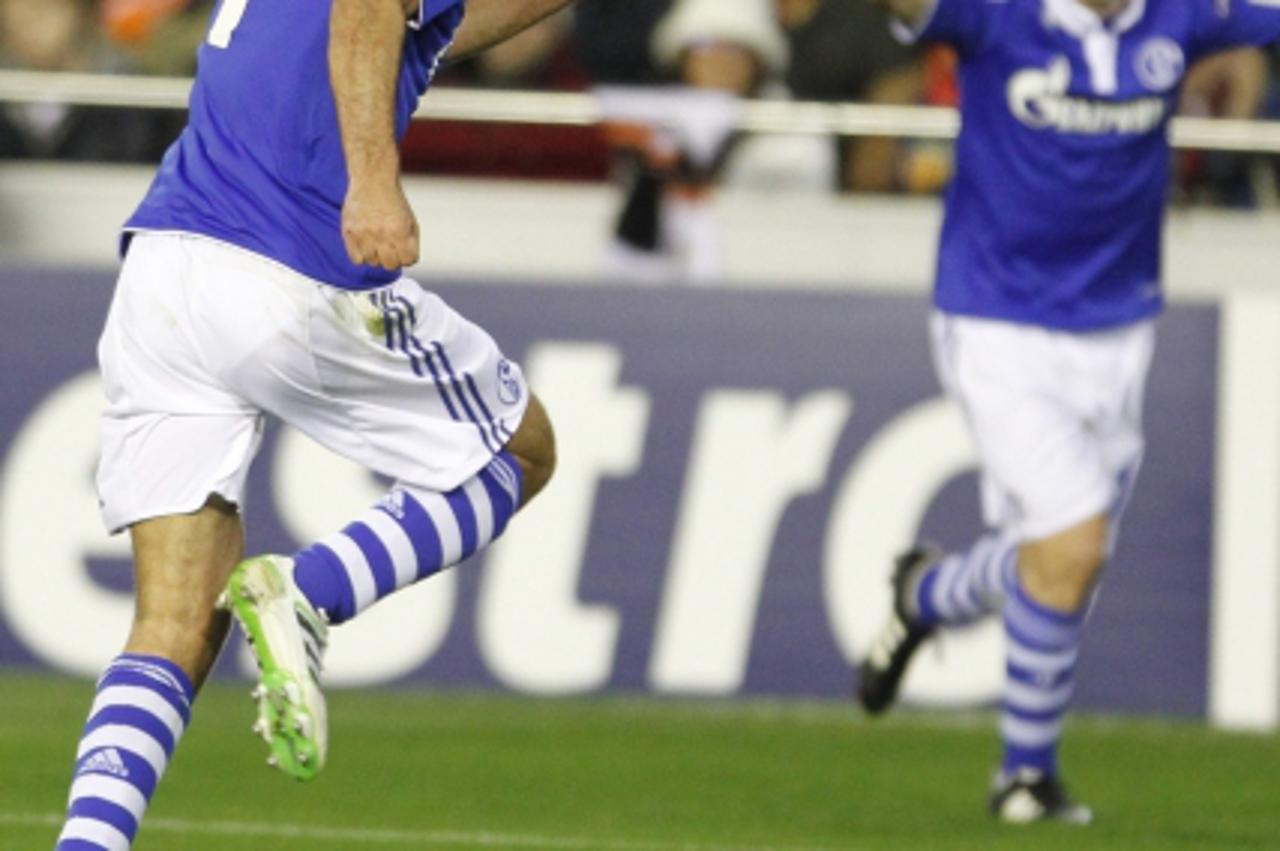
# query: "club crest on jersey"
(509, 386)
(1038, 98)
(1159, 64)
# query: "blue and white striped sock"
(142, 707)
(408, 536)
(1042, 648)
(967, 586)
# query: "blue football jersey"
(260, 162)
(1062, 165)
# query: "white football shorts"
(203, 339)
(1056, 416)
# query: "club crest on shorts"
(510, 387)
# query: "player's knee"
(1061, 571)
(1081, 562)
(534, 447)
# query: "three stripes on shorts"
(429, 361)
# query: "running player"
(1047, 285)
(263, 276)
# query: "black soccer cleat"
(1029, 796)
(881, 672)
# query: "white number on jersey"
(229, 15)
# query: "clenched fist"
(378, 226)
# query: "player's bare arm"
(489, 22)
(913, 13)
(366, 40)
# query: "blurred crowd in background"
(671, 74)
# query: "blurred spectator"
(842, 50)
(674, 142)
(64, 35)
(157, 36)
(809, 49)
(1225, 85)
(612, 40)
(541, 57)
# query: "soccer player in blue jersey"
(262, 276)
(1048, 280)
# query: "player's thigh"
(172, 433)
(402, 384)
(1121, 380)
(1043, 467)
(156, 464)
(166, 330)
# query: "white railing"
(582, 109)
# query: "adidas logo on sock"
(393, 504)
(105, 761)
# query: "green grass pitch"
(438, 771)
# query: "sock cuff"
(509, 475)
(1059, 618)
(926, 613)
(1043, 760)
(155, 669)
(321, 577)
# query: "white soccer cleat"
(288, 638)
(1030, 796)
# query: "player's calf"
(534, 448)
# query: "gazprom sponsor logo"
(1038, 98)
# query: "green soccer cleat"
(288, 638)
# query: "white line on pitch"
(477, 839)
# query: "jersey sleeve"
(429, 10)
(1225, 24)
(962, 23)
